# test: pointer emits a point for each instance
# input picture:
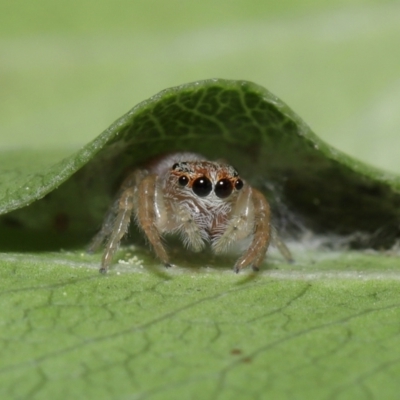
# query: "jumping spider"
(202, 201)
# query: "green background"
(69, 69)
(327, 327)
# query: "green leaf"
(309, 183)
(322, 327)
(200, 333)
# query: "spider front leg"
(250, 216)
(255, 253)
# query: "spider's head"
(205, 179)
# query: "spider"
(204, 202)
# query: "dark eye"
(183, 180)
(202, 186)
(238, 184)
(223, 188)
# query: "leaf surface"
(323, 327)
(200, 333)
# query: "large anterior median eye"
(202, 186)
(223, 188)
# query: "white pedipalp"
(190, 231)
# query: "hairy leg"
(147, 218)
(119, 226)
(280, 245)
(117, 220)
(130, 182)
(105, 230)
(255, 253)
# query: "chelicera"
(204, 202)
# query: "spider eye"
(223, 188)
(202, 186)
(183, 180)
(238, 184)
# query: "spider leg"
(280, 245)
(105, 230)
(129, 183)
(255, 253)
(147, 215)
(117, 221)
